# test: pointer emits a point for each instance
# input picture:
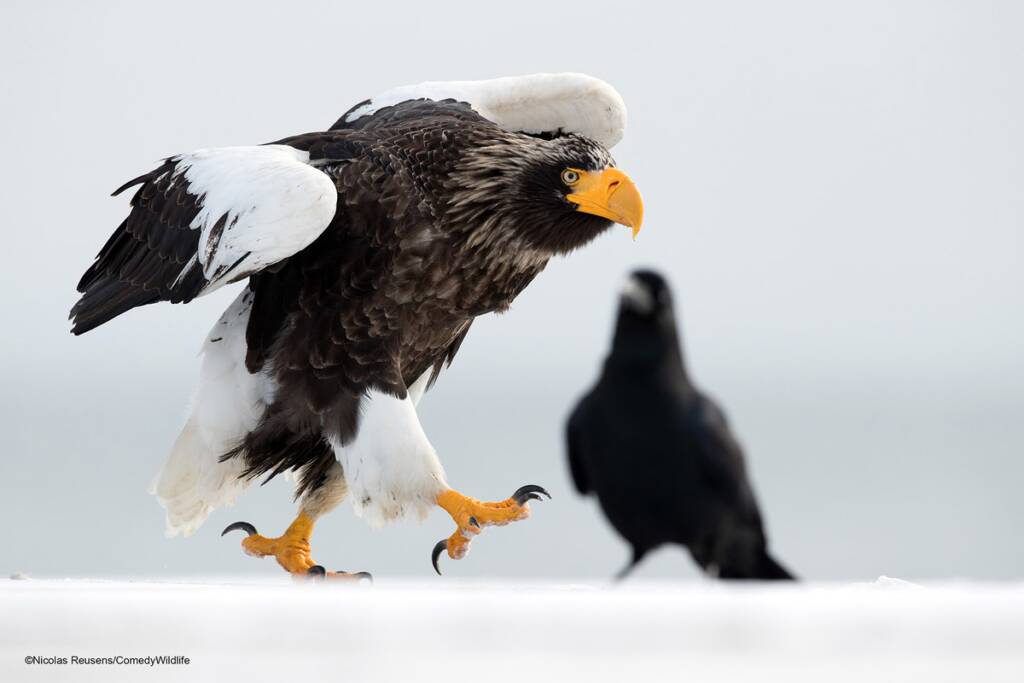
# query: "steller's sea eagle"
(368, 250)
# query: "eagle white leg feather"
(319, 502)
(390, 467)
(228, 404)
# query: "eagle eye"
(570, 177)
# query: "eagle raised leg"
(368, 250)
(471, 516)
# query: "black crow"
(659, 454)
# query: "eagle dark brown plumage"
(441, 215)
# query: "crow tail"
(770, 570)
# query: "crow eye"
(570, 177)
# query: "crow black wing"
(721, 458)
(574, 428)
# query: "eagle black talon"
(244, 526)
(474, 523)
(529, 492)
(316, 572)
(441, 546)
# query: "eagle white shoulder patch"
(538, 103)
(259, 205)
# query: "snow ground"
(888, 630)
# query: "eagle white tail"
(227, 405)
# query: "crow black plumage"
(659, 454)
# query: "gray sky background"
(835, 190)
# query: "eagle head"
(548, 195)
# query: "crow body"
(659, 455)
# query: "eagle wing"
(216, 216)
(204, 219)
(546, 105)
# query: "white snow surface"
(887, 630)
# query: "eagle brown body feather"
(432, 229)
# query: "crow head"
(646, 326)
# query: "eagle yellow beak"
(609, 194)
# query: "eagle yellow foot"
(291, 550)
(472, 515)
